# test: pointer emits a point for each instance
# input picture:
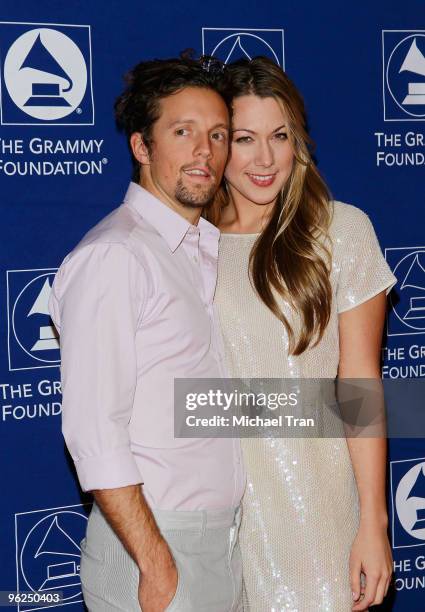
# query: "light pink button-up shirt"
(133, 305)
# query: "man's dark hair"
(138, 108)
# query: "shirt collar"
(168, 223)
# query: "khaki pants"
(206, 550)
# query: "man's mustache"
(203, 166)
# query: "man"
(133, 305)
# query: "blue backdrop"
(63, 166)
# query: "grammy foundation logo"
(230, 44)
(404, 75)
(32, 338)
(46, 74)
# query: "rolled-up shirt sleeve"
(96, 303)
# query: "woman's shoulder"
(347, 221)
(343, 213)
(357, 259)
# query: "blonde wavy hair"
(291, 257)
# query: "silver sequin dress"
(300, 508)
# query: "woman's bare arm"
(360, 332)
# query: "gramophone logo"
(46, 74)
(32, 337)
(48, 552)
(407, 314)
(230, 44)
(404, 75)
(408, 502)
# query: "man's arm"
(129, 515)
(97, 303)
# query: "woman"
(301, 293)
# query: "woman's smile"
(262, 180)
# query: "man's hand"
(158, 581)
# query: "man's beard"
(194, 199)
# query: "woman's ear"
(139, 149)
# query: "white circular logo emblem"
(405, 75)
(243, 45)
(31, 322)
(410, 501)
(410, 270)
(45, 74)
(50, 557)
